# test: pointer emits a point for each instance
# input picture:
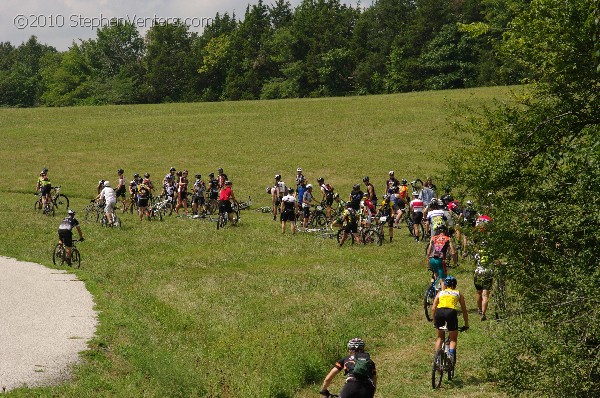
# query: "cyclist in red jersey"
(225, 197)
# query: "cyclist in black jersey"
(65, 233)
(370, 191)
(213, 187)
(289, 206)
(359, 384)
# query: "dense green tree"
(541, 160)
(170, 65)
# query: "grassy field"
(186, 310)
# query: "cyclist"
(169, 189)
(288, 211)
(109, 197)
(221, 178)
(225, 197)
(436, 217)
(307, 199)
(299, 195)
(416, 209)
(360, 372)
(144, 193)
(404, 191)
(426, 194)
(482, 279)
(120, 191)
(437, 251)
(65, 233)
(387, 210)
(391, 182)
(444, 313)
(148, 183)
(368, 209)
(355, 197)
(198, 198)
(299, 177)
(171, 175)
(466, 221)
(397, 204)
(370, 190)
(44, 187)
(350, 223)
(182, 185)
(277, 192)
(133, 189)
(447, 196)
(99, 187)
(328, 195)
(213, 187)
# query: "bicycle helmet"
(220, 170)
(147, 175)
(45, 170)
(291, 191)
(172, 169)
(356, 187)
(404, 182)
(70, 212)
(211, 174)
(450, 281)
(365, 195)
(299, 170)
(366, 178)
(198, 176)
(136, 175)
(415, 194)
(469, 203)
(228, 182)
(320, 180)
(101, 182)
(120, 171)
(308, 186)
(106, 183)
(277, 177)
(391, 172)
(356, 344)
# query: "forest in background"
(319, 48)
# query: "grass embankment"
(245, 312)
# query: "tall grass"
(186, 310)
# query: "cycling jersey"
(225, 193)
(403, 192)
(448, 298)
(133, 187)
(355, 198)
(169, 189)
(182, 185)
(307, 199)
(289, 202)
(426, 195)
(68, 223)
(416, 205)
(108, 195)
(221, 180)
(199, 187)
(436, 219)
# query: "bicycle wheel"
(58, 254)
(369, 236)
(236, 217)
(320, 220)
(116, 222)
(37, 205)
(428, 302)
(61, 202)
(221, 220)
(49, 210)
(350, 237)
(75, 258)
(437, 370)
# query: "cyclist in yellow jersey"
(387, 210)
(444, 313)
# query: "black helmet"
(120, 171)
(71, 212)
(220, 170)
(404, 182)
(366, 178)
(147, 175)
(172, 169)
(356, 187)
(320, 180)
(211, 174)
(277, 177)
(136, 175)
(198, 176)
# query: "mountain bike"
(317, 217)
(93, 211)
(47, 209)
(116, 220)
(442, 361)
(57, 200)
(430, 293)
(223, 217)
(372, 234)
(59, 255)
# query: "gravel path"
(46, 319)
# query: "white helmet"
(106, 184)
(391, 172)
(308, 186)
(299, 170)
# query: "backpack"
(360, 366)
(439, 242)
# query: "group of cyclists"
(440, 219)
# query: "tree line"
(320, 48)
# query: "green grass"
(244, 312)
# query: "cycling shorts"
(46, 189)
(142, 202)
(329, 199)
(448, 317)
(438, 266)
(120, 192)
(288, 215)
(109, 206)
(198, 199)
(359, 389)
(417, 217)
(351, 227)
(66, 237)
(225, 206)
